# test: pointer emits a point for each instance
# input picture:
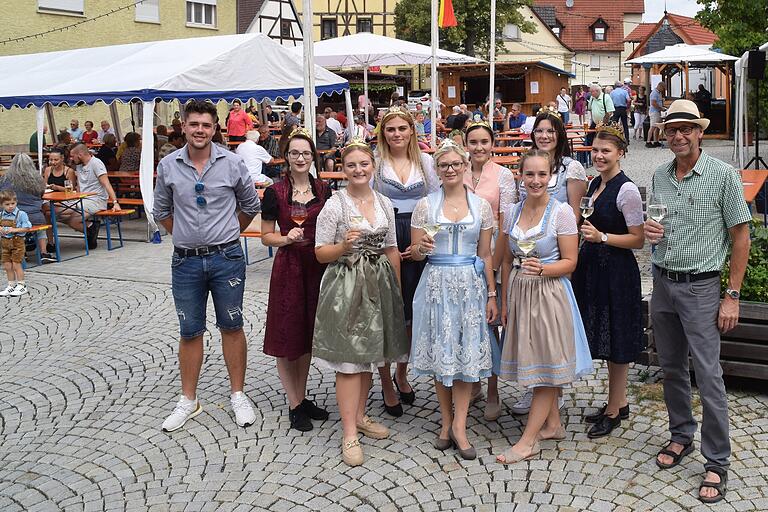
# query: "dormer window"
(599, 30)
(557, 28)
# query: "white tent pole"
(40, 116)
(350, 114)
(147, 168)
(365, 84)
(492, 73)
(433, 94)
(309, 71)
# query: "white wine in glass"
(657, 211)
(356, 221)
(526, 245)
(587, 207)
(431, 230)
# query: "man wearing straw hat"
(705, 212)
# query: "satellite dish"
(569, 3)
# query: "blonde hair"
(450, 148)
(534, 153)
(413, 151)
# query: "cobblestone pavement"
(88, 372)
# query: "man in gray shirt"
(205, 197)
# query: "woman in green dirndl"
(360, 323)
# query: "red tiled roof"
(640, 33)
(578, 19)
(688, 29)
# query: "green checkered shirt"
(700, 210)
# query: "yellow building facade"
(152, 20)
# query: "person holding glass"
(404, 175)
(359, 323)
(545, 347)
(567, 184)
(607, 279)
(456, 296)
(296, 274)
(495, 184)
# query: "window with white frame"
(599, 33)
(148, 11)
(594, 62)
(62, 6)
(201, 13)
(556, 31)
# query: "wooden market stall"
(532, 84)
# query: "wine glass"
(299, 215)
(432, 230)
(587, 206)
(527, 245)
(68, 188)
(656, 208)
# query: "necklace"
(400, 170)
(453, 206)
(359, 201)
(476, 181)
(297, 192)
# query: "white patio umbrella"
(684, 53)
(363, 50)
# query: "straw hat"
(684, 111)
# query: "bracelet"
(492, 294)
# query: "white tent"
(683, 53)
(742, 106)
(363, 50)
(212, 68)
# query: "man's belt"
(204, 251)
(681, 277)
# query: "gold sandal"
(352, 452)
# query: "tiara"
(300, 131)
(612, 128)
(547, 110)
(484, 124)
(396, 111)
(356, 142)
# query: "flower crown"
(396, 111)
(612, 128)
(300, 131)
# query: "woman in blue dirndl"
(455, 298)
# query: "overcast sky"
(654, 9)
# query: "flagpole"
(309, 71)
(433, 95)
(492, 74)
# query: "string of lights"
(71, 25)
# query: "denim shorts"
(223, 275)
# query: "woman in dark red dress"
(296, 274)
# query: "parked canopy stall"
(246, 66)
(680, 59)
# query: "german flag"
(445, 17)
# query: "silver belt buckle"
(673, 276)
(204, 251)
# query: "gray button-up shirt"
(227, 188)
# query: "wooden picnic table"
(506, 150)
(506, 160)
(753, 180)
(62, 198)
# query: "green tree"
(471, 36)
(740, 25)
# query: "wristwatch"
(734, 294)
(603, 238)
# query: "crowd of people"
(449, 267)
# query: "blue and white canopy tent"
(246, 66)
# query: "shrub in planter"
(755, 285)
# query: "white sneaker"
(523, 405)
(7, 291)
(244, 414)
(185, 409)
(19, 290)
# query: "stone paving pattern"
(88, 372)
